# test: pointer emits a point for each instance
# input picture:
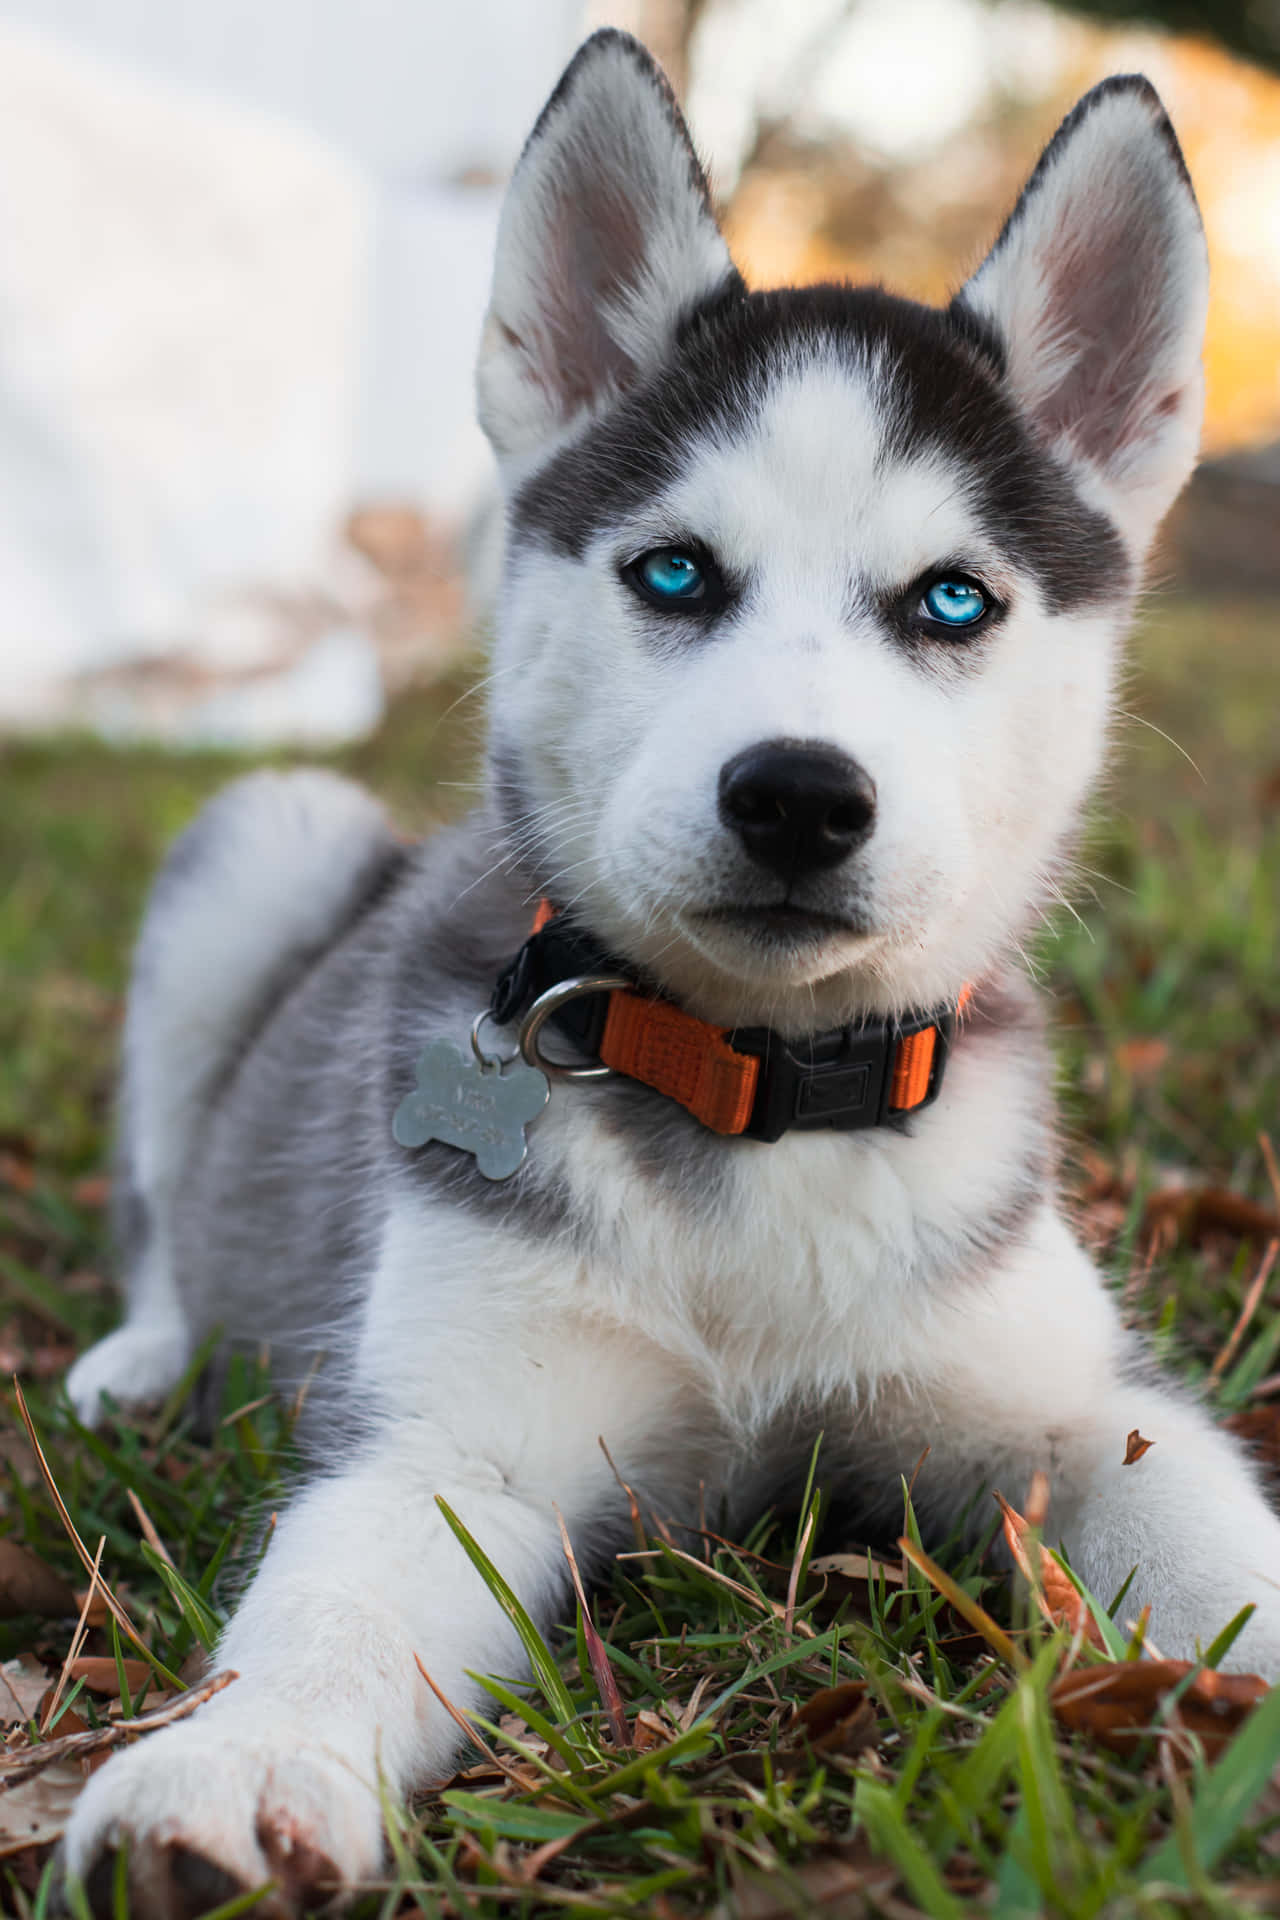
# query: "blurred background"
(244, 251)
(245, 512)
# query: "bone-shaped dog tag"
(483, 1110)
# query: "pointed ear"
(607, 237)
(1096, 293)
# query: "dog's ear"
(1096, 293)
(606, 238)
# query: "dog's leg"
(1035, 1371)
(277, 1778)
(255, 885)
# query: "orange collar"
(739, 1081)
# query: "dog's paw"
(209, 1811)
(132, 1365)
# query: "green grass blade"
(122, 1682)
(889, 1834)
(1113, 1640)
(1218, 1649)
(545, 1670)
(197, 1613)
(1224, 1798)
(625, 1779)
(1018, 1897)
(514, 1819)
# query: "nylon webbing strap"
(850, 1078)
(671, 1051)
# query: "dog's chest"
(816, 1249)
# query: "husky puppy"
(806, 648)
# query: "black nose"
(797, 806)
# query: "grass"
(691, 1755)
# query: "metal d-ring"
(550, 1002)
(488, 1060)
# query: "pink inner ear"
(595, 259)
(1110, 308)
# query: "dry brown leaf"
(1189, 1213)
(23, 1685)
(847, 1881)
(1056, 1598)
(27, 1585)
(1142, 1058)
(650, 1731)
(34, 1813)
(839, 1719)
(24, 1763)
(851, 1576)
(93, 1192)
(68, 1721)
(98, 1672)
(857, 1566)
(1134, 1448)
(97, 1613)
(17, 1172)
(1118, 1702)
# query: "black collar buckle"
(841, 1080)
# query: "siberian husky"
(805, 657)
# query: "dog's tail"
(256, 887)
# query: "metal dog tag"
(481, 1108)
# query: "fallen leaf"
(1189, 1213)
(93, 1192)
(68, 1720)
(34, 1813)
(851, 1576)
(1142, 1058)
(650, 1731)
(27, 1585)
(17, 1172)
(23, 1685)
(1135, 1447)
(98, 1672)
(24, 1763)
(1058, 1600)
(847, 1881)
(1118, 1702)
(96, 1613)
(838, 1719)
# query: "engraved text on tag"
(483, 1110)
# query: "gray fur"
(288, 1184)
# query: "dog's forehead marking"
(936, 396)
(814, 486)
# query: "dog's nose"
(797, 805)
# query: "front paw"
(136, 1364)
(216, 1808)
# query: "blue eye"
(671, 574)
(954, 603)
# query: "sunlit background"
(244, 250)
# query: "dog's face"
(812, 597)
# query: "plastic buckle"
(842, 1080)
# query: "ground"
(697, 1759)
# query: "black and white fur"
(703, 1305)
